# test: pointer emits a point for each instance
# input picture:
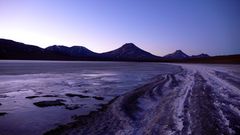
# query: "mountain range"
(10, 49)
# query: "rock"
(50, 96)
(98, 98)
(76, 95)
(31, 97)
(2, 113)
(57, 102)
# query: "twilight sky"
(158, 26)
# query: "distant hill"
(74, 51)
(224, 59)
(12, 50)
(178, 54)
(129, 52)
(200, 56)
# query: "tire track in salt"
(227, 100)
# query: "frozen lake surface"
(80, 87)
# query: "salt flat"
(199, 99)
(72, 89)
(146, 98)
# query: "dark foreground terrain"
(198, 100)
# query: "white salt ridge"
(220, 87)
(179, 103)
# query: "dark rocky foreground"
(195, 101)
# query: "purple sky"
(160, 27)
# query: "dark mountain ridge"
(202, 55)
(74, 51)
(10, 49)
(178, 54)
(13, 50)
(129, 51)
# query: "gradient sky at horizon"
(157, 26)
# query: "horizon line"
(113, 49)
